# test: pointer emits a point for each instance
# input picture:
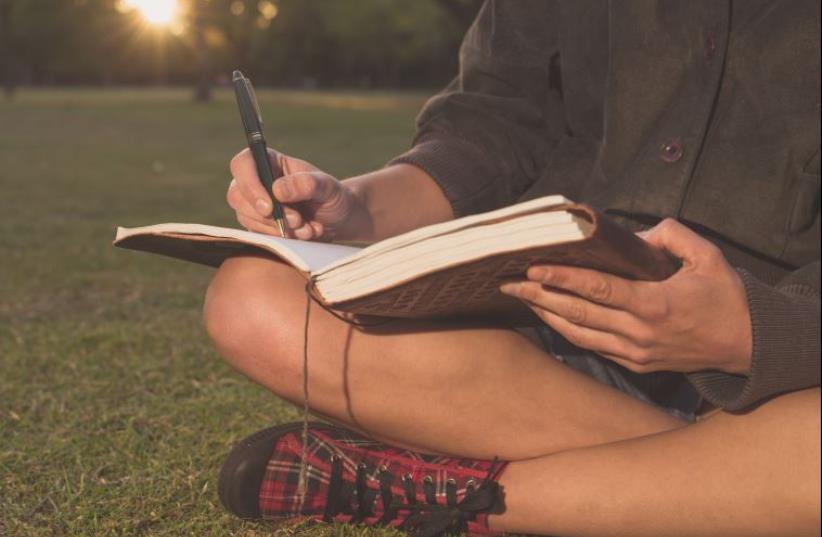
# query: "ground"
(115, 411)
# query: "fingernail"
(263, 207)
(509, 288)
(536, 274)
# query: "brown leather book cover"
(467, 289)
(200, 249)
(471, 290)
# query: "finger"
(593, 285)
(304, 186)
(254, 225)
(636, 367)
(233, 196)
(238, 202)
(583, 337)
(305, 232)
(279, 162)
(288, 164)
(293, 188)
(680, 241)
(245, 173)
(292, 217)
(575, 309)
(317, 228)
(241, 207)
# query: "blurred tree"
(6, 53)
(199, 15)
(305, 43)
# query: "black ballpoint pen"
(253, 124)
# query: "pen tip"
(237, 76)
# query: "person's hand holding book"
(697, 319)
(317, 206)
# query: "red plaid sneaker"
(354, 479)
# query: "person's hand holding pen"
(284, 196)
(316, 206)
(289, 195)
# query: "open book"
(453, 269)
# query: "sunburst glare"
(157, 12)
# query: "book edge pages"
(587, 229)
(554, 201)
(414, 256)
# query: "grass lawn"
(115, 412)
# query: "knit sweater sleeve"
(785, 325)
(486, 137)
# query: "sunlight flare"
(157, 12)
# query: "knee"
(251, 311)
(228, 310)
(794, 419)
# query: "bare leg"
(470, 391)
(730, 475)
(481, 392)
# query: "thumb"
(298, 187)
(676, 239)
(288, 164)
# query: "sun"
(158, 12)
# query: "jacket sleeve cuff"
(461, 170)
(785, 330)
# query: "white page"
(414, 256)
(451, 226)
(306, 256)
(336, 285)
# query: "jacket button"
(671, 151)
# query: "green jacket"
(707, 111)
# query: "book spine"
(624, 251)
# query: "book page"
(403, 265)
(445, 228)
(305, 256)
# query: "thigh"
(469, 390)
(752, 474)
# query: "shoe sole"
(234, 495)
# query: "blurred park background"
(296, 43)
(115, 411)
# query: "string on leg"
(302, 482)
(312, 293)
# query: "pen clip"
(254, 104)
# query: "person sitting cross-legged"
(695, 124)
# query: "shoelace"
(310, 296)
(428, 519)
